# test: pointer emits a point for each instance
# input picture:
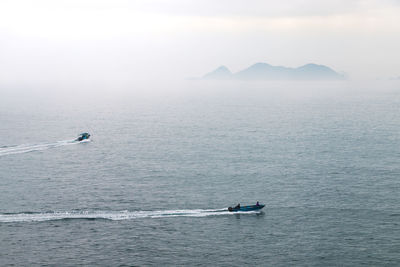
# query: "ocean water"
(153, 184)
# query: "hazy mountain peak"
(222, 68)
(260, 65)
(219, 73)
(312, 66)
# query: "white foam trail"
(4, 151)
(113, 215)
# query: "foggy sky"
(121, 41)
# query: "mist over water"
(167, 159)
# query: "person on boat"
(257, 204)
(237, 206)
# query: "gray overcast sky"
(122, 41)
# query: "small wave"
(111, 215)
(20, 149)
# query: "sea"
(152, 186)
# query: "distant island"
(264, 71)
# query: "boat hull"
(83, 136)
(246, 208)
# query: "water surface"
(152, 185)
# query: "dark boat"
(246, 208)
(83, 136)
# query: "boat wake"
(112, 215)
(20, 149)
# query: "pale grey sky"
(49, 41)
